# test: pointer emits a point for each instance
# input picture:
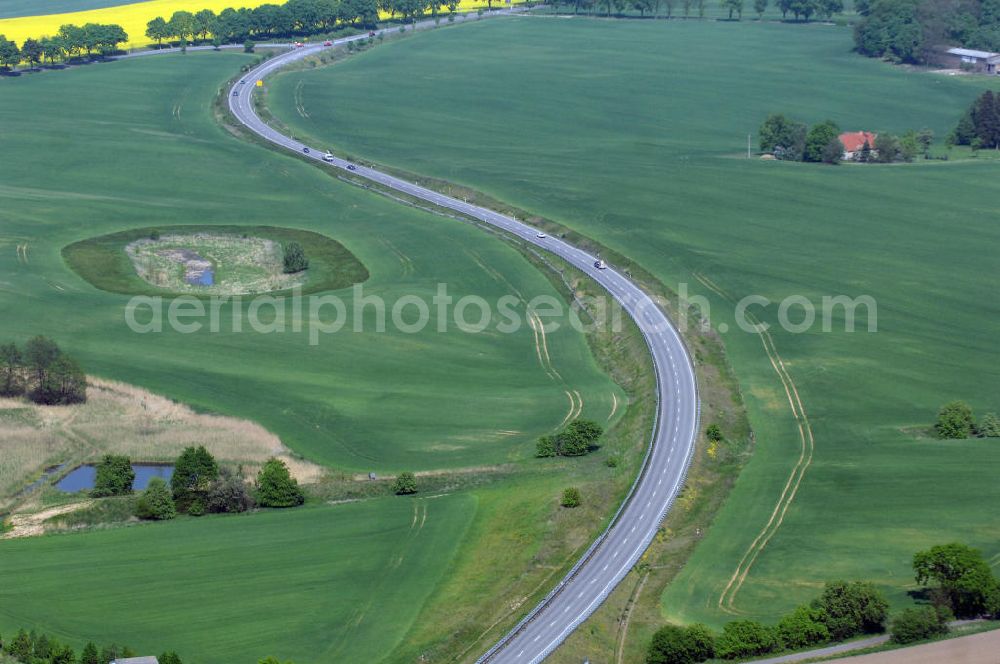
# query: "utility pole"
(748, 146)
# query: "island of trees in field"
(199, 485)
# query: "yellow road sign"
(260, 83)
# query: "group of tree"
(791, 140)
(578, 438)
(980, 126)
(42, 372)
(889, 148)
(801, 10)
(295, 259)
(294, 18)
(956, 420)
(957, 580)
(34, 648)
(805, 10)
(199, 485)
(71, 41)
(653, 8)
(843, 610)
(913, 30)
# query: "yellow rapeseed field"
(134, 17)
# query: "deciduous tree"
(918, 624)
(114, 476)
(31, 52)
(406, 483)
(295, 258)
(745, 638)
(805, 626)
(962, 575)
(672, 644)
(156, 503)
(194, 472)
(852, 608)
(819, 138)
(157, 29)
(989, 427)
(955, 421)
(571, 497)
(11, 371)
(229, 493)
(10, 55)
(276, 487)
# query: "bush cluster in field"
(577, 439)
(43, 372)
(964, 587)
(956, 420)
(199, 485)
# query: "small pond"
(83, 477)
(205, 277)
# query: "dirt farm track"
(983, 648)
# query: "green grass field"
(15, 8)
(635, 134)
(373, 401)
(341, 583)
(141, 149)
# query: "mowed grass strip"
(639, 141)
(336, 583)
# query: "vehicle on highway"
(600, 264)
(328, 43)
(371, 34)
(236, 93)
(541, 235)
(352, 167)
(328, 157)
(299, 44)
(306, 150)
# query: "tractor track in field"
(727, 598)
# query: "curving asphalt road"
(614, 553)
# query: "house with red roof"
(854, 142)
